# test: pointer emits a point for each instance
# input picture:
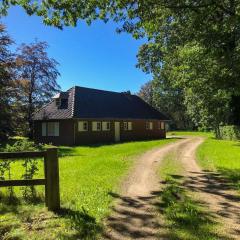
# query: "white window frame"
(127, 126)
(149, 125)
(106, 126)
(82, 126)
(46, 127)
(96, 126)
(162, 125)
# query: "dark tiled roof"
(93, 103)
(51, 111)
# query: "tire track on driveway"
(134, 216)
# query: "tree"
(36, 79)
(168, 100)
(146, 92)
(6, 87)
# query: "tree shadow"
(214, 185)
(85, 226)
(80, 225)
(233, 175)
(187, 218)
(131, 218)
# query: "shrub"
(22, 145)
(231, 132)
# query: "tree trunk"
(217, 131)
(29, 116)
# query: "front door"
(117, 131)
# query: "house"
(84, 115)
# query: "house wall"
(69, 134)
(66, 133)
(138, 132)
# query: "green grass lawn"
(222, 156)
(217, 155)
(87, 175)
(190, 133)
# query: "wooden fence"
(51, 173)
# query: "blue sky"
(90, 56)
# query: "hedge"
(231, 132)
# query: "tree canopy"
(6, 87)
(28, 79)
(36, 79)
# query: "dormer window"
(58, 102)
(61, 100)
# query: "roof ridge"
(101, 90)
(73, 100)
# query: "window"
(106, 126)
(96, 126)
(82, 126)
(50, 129)
(127, 126)
(58, 102)
(149, 125)
(44, 129)
(161, 125)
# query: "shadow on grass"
(131, 218)
(187, 218)
(233, 175)
(80, 225)
(84, 225)
(11, 203)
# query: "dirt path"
(215, 193)
(134, 216)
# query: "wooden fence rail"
(51, 175)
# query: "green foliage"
(168, 100)
(87, 175)
(30, 166)
(6, 77)
(22, 145)
(193, 49)
(230, 132)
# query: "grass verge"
(190, 133)
(87, 175)
(185, 217)
(222, 156)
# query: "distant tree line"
(27, 81)
(169, 101)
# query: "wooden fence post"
(51, 170)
